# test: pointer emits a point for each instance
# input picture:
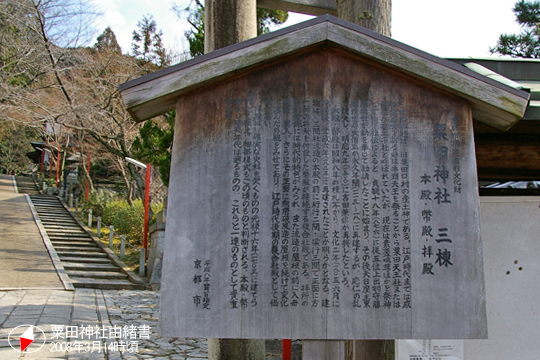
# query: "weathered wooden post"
(323, 186)
(70, 201)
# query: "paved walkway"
(24, 259)
(90, 324)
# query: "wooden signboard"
(323, 197)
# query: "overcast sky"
(457, 28)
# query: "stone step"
(73, 230)
(69, 238)
(61, 241)
(74, 244)
(54, 215)
(47, 200)
(62, 226)
(97, 274)
(105, 284)
(84, 260)
(78, 249)
(50, 207)
(59, 222)
(79, 253)
(66, 236)
(89, 267)
(67, 232)
(56, 218)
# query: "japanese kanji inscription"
(340, 202)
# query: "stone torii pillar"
(228, 22)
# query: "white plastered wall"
(511, 248)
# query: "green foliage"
(107, 42)
(266, 17)
(527, 43)
(97, 201)
(527, 13)
(195, 36)
(128, 220)
(14, 144)
(147, 43)
(154, 143)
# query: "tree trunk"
(83, 162)
(228, 22)
(127, 181)
(138, 180)
(375, 15)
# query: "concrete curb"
(66, 281)
(14, 184)
(31, 288)
(132, 276)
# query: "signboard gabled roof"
(492, 102)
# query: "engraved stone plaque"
(323, 197)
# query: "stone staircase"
(87, 264)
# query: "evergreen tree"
(107, 42)
(527, 43)
(194, 36)
(147, 43)
(154, 143)
(266, 17)
(14, 144)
